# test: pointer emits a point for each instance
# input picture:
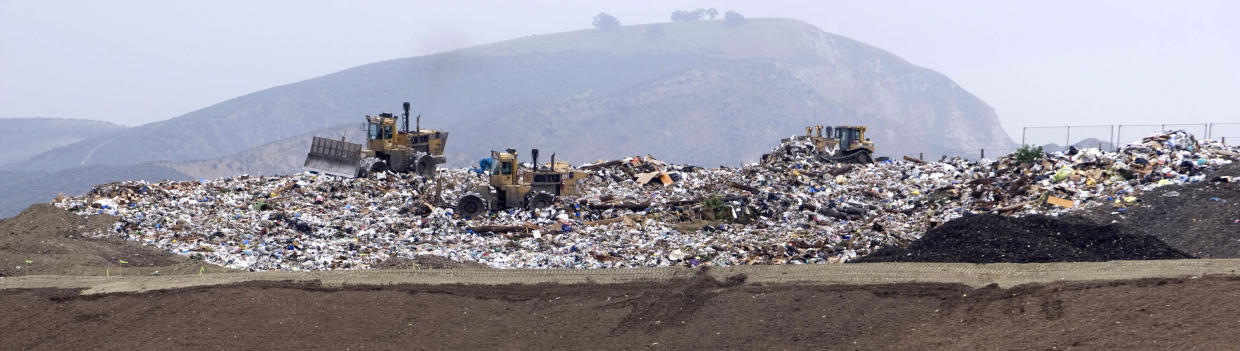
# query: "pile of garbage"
(792, 208)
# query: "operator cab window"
(387, 132)
(374, 131)
(506, 168)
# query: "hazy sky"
(1036, 62)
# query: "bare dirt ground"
(44, 239)
(698, 312)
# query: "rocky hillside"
(21, 138)
(703, 93)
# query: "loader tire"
(540, 200)
(425, 166)
(372, 165)
(471, 205)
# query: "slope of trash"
(791, 208)
(990, 238)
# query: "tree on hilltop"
(733, 18)
(605, 21)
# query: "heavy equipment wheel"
(539, 200)
(425, 166)
(471, 205)
(372, 165)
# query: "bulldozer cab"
(381, 133)
(504, 169)
(853, 138)
(849, 135)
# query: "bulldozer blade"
(334, 157)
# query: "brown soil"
(697, 313)
(55, 242)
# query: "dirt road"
(975, 275)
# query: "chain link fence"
(1103, 136)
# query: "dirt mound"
(44, 239)
(1152, 314)
(990, 238)
(1201, 219)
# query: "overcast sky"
(1036, 62)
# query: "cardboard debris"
(1061, 202)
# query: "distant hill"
(702, 93)
(276, 158)
(22, 138)
(1088, 143)
(20, 189)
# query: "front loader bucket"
(334, 157)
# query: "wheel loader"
(844, 144)
(512, 186)
(388, 147)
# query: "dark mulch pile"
(992, 238)
(1201, 219)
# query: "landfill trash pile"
(991, 238)
(638, 211)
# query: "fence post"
(1067, 137)
(1119, 133)
(1113, 139)
(921, 156)
(1022, 135)
(983, 152)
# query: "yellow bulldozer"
(388, 147)
(844, 144)
(512, 185)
